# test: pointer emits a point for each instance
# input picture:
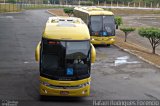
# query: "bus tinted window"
(109, 24)
(96, 23)
(103, 23)
(50, 62)
(75, 49)
(108, 19)
(58, 56)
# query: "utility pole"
(158, 5)
(128, 4)
(139, 4)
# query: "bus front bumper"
(44, 90)
(48, 90)
(103, 40)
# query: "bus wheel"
(42, 97)
(108, 45)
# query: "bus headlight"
(45, 83)
(92, 39)
(110, 39)
(85, 84)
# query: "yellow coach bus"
(100, 22)
(65, 55)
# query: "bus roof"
(66, 28)
(94, 11)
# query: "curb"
(51, 13)
(143, 48)
(126, 50)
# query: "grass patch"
(19, 7)
(9, 8)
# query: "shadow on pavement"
(61, 99)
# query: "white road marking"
(123, 60)
(27, 62)
(8, 17)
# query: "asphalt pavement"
(116, 75)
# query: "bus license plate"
(64, 92)
(103, 43)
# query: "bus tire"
(108, 45)
(42, 97)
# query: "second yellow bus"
(100, 22)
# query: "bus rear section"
(65, 55)
(100, 22)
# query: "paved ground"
(115, 75)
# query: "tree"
(45, 1)
(12, 1)
(153, 35)
(127, 30)
(68, 10)
(118, 21)
(54, 1)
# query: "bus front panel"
(102, 29)
(67, 61)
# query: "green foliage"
(9, 7)
(127, 30)
(149, 32)
(45, 1)
(54, 1)
(68, 10)
(12, 1)
(153, 35)
(110, 9)
(118, 20)
(87, 3)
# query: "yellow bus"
(100, 22)
(65, 55)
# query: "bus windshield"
(103, 23)
(77, 50)
(96, 23)
(57, 57)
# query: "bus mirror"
(37, 52)
(116, 26)
(93, 54)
